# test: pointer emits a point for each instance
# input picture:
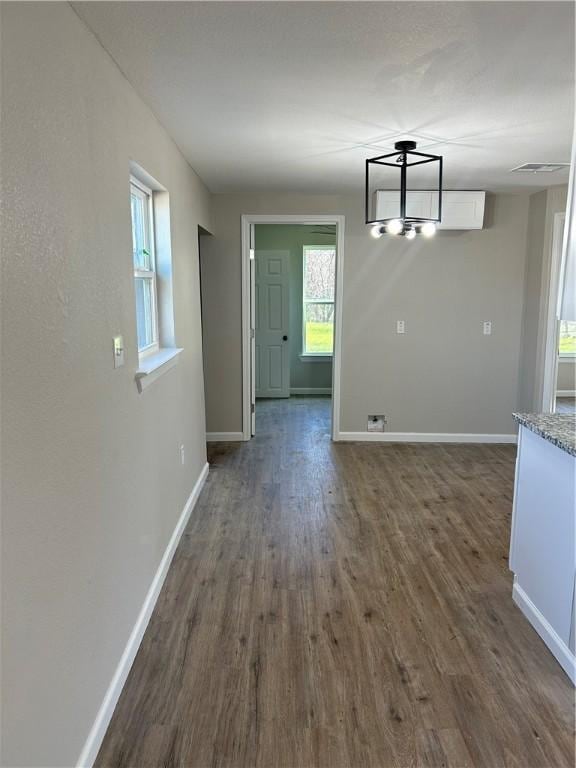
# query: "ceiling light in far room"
(377, 231)
(428, 229)
(410, 234)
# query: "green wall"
(293, 237)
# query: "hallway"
(343, 605)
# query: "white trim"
(246, 221)
(148, 274)
(153, 366)
(566, 393)
(310, 390)
(423, 437)
(557, 646)
(557, 255)
(224, 437)
(106, 710)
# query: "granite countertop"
(558, 428)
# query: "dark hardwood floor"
(343, 605)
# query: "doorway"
(559, 386)
(291, 311)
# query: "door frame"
(247, 221)
(555, 285)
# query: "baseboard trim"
(224, 437)
(310, 390)
(98, 730)
(557, 646)
(566, 393)
(422, 437)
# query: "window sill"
(567, 357)
(315, 358)
(156, 365)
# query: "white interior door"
(272, 351)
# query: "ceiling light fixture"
(411, 214)
(394, 227)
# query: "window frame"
(316, 356)
(147, 274)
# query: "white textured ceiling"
(294, 96)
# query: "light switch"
(487, 328)
(400, 326)
(118, 351)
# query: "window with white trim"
(144, 261)
(319, 276)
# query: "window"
(567, 346)
(144, 267)
(318, 300)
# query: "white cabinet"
(542, 554)
(460, 210)
(418, 204)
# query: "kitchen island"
(542, 546)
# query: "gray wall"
(92, 484)
(443, 375)
(543, 206)
(294, 237)
(566, 380)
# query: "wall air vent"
(540, 167)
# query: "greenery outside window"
(567, 338)
(319, 273)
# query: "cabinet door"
(462, 210)
(418, 204)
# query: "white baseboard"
(98, 730)
(557, 646)
(310, 390)
(422, 437)
(566, 393)
(224, 437)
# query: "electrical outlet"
(182, 455)
(376, 423)
(487, 328)
(400, 326)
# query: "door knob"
(284, 338)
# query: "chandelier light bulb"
(428, 229)
(394, 226)
(376, 231)
(411, 234)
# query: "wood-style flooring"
(339, 606)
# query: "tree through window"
(318, 300)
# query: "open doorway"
(291, 312)
(559, 391)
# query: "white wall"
(443, 375)
(92, 484)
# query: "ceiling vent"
(540, 167)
